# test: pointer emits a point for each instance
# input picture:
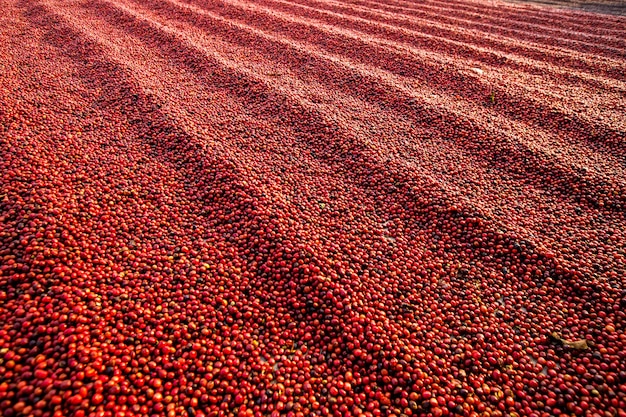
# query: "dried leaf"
(581, 344)
(577, 344)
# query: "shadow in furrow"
(578, 22)
(396, 62)
(548, 37)
(258, 98)
(456, 83)
(589, 65)
(596, 193)
(437, 41)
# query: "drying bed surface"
(617, 7)
(311, 208)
